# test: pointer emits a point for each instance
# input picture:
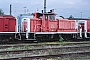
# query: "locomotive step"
(28, 39)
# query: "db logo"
(52, 25)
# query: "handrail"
(36, 27)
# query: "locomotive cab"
(49, 16)
(45, 16)
(49, 23)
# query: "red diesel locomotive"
(43, 27)
(7, 27)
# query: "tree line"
(1, 12)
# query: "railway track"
(37, 45)
(51, 57)
(45, 53)
(46, 43)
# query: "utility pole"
(25, 10)
(44, 6)
(81, 14)
(10, 9)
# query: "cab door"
(82, 27)
(5, 25)
(25, 25)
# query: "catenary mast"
(44, 6)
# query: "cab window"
(46, 17)
(39, 15)
(51, 17)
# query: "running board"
(30, 39)
(87, 37)
(84, 38)
(79, 38)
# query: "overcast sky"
(61, 7)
